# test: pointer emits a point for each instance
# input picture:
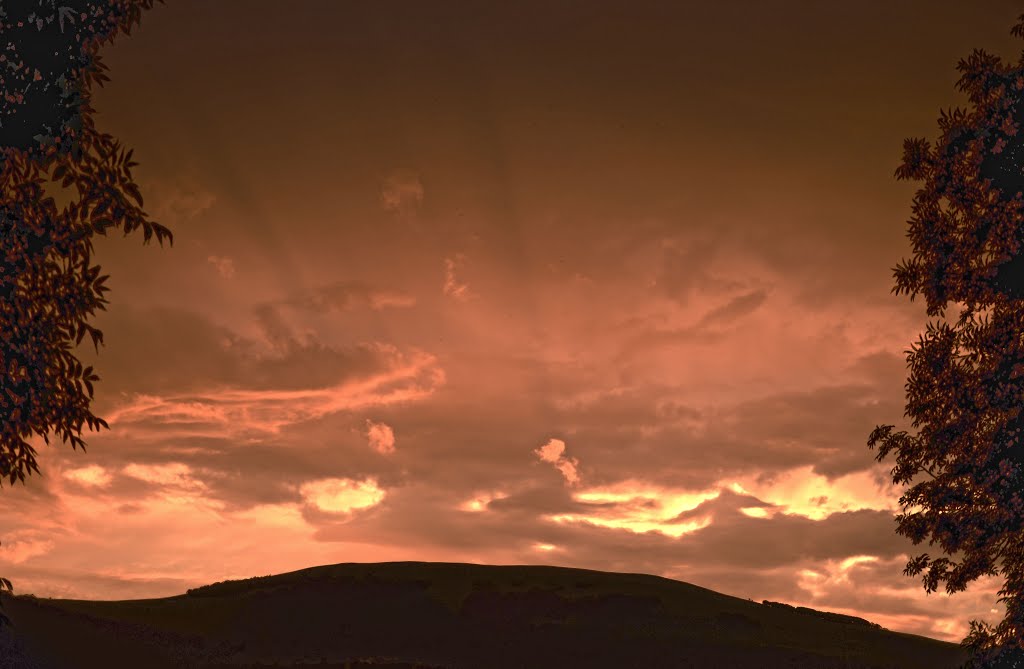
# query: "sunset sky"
(581, 283)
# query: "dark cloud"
(348, 295)
(736, 308)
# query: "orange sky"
(576, 283)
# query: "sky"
(579, 283)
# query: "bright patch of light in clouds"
(480, 502)
(851, 562)
(831, 574)
(92, 475)
(635, 525)
(342, 495)
(800, 491)
(273, 515)
(174, 473)
(639, 508)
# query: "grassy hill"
(451, 615)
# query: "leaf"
(65, 13)
(96, 336)
(133, 190)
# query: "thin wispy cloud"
(238, 412)
(452, 286)
(224, 266)
(351, 295)
(401, 192)
(20, 547)
(178, 200)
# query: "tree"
(965, 387)
(49, 44)
(47, 287)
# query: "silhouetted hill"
(451, 615)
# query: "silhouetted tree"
(47, 287)
(965, 386)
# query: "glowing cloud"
(20, 550)
(93, 475)
(452, 287)
(341, 495)
(552, 452)
(273, 515)
(381, 436)
(480, 501)
(236, 414)
(171, 474)
(636, 506)
(799, 491)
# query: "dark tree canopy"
(47, 57)
(965, 387)
(47, 288)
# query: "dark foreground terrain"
(438, 614)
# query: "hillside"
(452, 615)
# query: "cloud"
(175, 474)
(736, 308)
(92, 475)
(225, 266)
(275, 328)
(337, 495)
(237, 412)
(402, 191)
(385, 298)
(179, 201)
(381, 436)
(452, 286)
(19, 550)
(686, 267)
(350, 295)
(552, 452)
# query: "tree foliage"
(47, 287)
(965, 385)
